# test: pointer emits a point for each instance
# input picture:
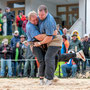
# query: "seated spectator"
(70, 65)
(15, 39)
(5, 51)
(29, 63)
(17, 57)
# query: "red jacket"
(24, 25)
(18, 19)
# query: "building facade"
(72, 14)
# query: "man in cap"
(86, 45)
(10, 18)
(15, 39)
(22, 39)
(76, 46)
(5, 51)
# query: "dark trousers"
(66, 56)
(46, 60)
(9, 28)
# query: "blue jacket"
(14, 40)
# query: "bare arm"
(41, 37)
(47, 39)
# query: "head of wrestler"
(32, 17)
(42, 12)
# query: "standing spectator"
(65, 33)
(16, 56)
(89, 38)
(22, 62)
(65, 45)
(86, 50)
(22, 39)
(15, 39)
(5, 51)
(29, 63)
(59, 30)
(82, 39)
(1, 22)
(76, 32)
(10, 18)
(24, 25)
(19, 21)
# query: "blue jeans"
(5, 62)
(9, 28)
(46, 60)
(31, 65)
(65, 67)
(20, 68)
(14, 67)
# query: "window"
(17, 4)
(68, 14)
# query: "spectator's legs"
(74, 70)
(78, 66)
(89, 62)
(15, 64)
(20, 68)
(20, 30)
(26, 67)
(2, 67)
(83, 66)
(32, 64)
(9, 67)
(9, 28)
(64, 67)
(50, 61)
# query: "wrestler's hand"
(36, 44)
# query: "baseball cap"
(5, 41)
(16, 32)
(85, 35)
